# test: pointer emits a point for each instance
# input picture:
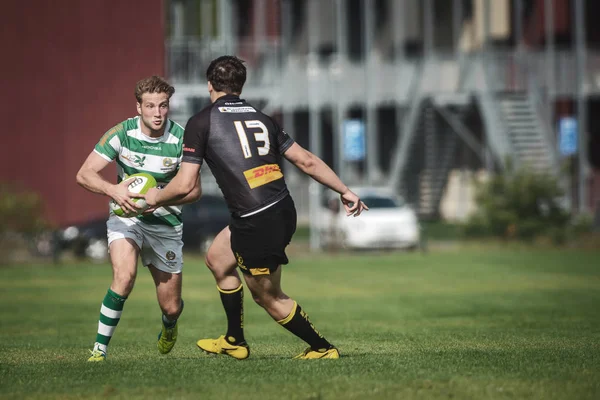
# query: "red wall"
(535, 28)
(249, 52)
(68, 74)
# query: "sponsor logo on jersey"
(262, 175)
(236, 109)
(140, 161)
(169, 164)
(190, 149)
(151, 147)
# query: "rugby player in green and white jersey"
(153, 144)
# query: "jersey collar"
(228, 97)
(161, 138)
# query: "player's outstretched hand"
(124, 198)
(352, 203)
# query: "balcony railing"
(187, 60)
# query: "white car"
(389, 223)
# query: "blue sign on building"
(567, 136)
(354, 140)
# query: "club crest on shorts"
(240, 261)
(170, 255)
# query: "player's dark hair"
(227, 74)
(154, 84)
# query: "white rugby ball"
(140, 183)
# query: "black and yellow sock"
(233, 303)
(299, 324)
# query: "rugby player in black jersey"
(244, 148)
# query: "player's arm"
(192, 196)
(181, 187)
(89, 178)
(317, 169)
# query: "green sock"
(110, 314)
(299, 324)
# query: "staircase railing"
(409, 124)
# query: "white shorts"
(159, 245)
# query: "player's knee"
(208, 261)
(172, 309)
(212, 262)
(216, 266)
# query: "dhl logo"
(262, 175)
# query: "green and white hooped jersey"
(135, 152)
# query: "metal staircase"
(430, 148)
(515, 131)
(530, 146)
(441, 144)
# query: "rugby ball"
(140, 183)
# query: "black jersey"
(243, 148)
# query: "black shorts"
(259, 241)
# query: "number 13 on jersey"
(261, 136)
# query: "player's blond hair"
(154, 84)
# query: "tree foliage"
(519, 204)
(21, 211)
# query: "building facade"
(437, 85)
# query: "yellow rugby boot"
(310, 354)
(222, 346)
(97, 356)
(167, 338)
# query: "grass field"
(457, 324)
